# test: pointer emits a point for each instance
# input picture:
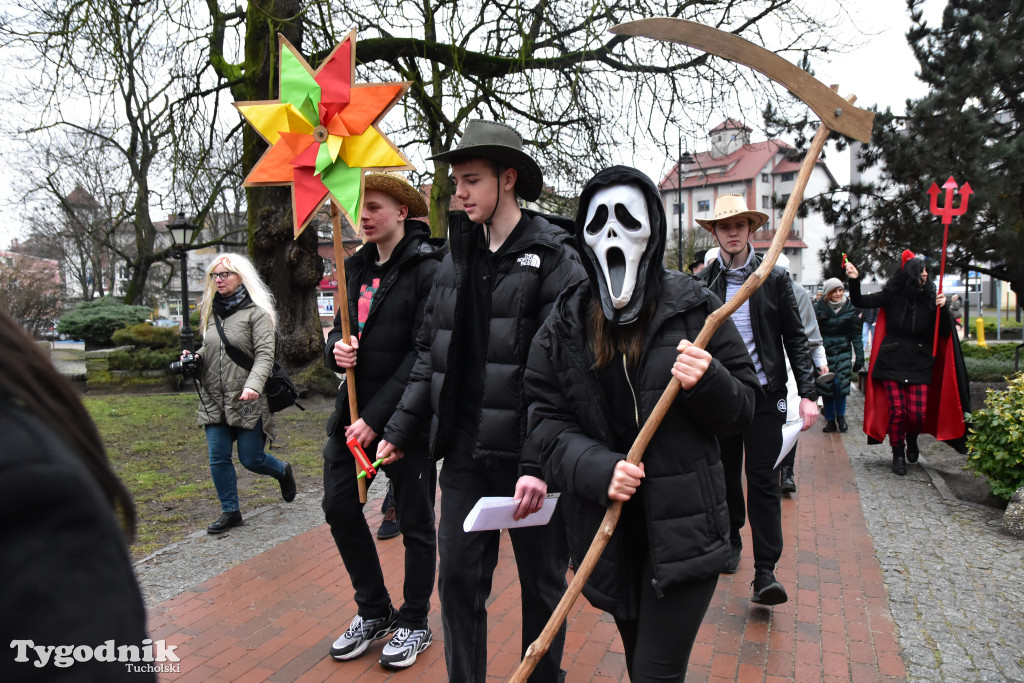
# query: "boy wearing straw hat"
(506, 267)
(770, 324)
(388, 283)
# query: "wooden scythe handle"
(636, 452)
(346, 330)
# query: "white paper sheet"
(790, 431)
(496, 512)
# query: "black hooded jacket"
(572, 426)
(387, 345)
(530, 275)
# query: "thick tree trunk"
(291, 268)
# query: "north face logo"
(531, 260)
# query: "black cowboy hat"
(498, 142)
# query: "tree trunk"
(291, 268)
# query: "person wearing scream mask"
(770, 325)
(596, 370)
(505, 268)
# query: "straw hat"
(500, 143)
(398, 187)
(729, 205)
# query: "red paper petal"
(309, 194)
(335, 76)
(307, 158)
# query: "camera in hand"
(190, 365)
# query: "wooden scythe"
(836, 114)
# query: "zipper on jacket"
(636, 406)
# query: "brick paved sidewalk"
(274, 617)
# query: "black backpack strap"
(237, 356)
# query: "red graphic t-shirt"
(366, 293)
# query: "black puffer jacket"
(905, 353)
(683, 494)
(774, 315)
(533, 271)
(840, 331)
(387, 345)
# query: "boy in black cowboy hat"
(506, 267)
(770, 324)
(388, 283)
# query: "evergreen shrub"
(995, 440)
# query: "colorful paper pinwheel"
(323, 132)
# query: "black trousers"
(468, 560)
(755, 452)
(658, 642)
(414, 480)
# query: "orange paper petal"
(366, 104)
(276, 164)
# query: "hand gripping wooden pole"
(636, 452)
(346, 331)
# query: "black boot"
(788, 484)
(225, 522)
(912, 450)
(841, 421)
(830, 426)
(899, 462)
(287, 482)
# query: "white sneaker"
(361, 632)
(404, 646)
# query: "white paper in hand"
(790, 431)
(495, 512)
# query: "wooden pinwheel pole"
(810, 91)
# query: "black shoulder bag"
(279, 389)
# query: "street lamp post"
(182, 234)
(679, 205)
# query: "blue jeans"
(834, 405)
(219, 438)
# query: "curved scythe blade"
(834, 111)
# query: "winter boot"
(787, 482)
(841, 421)
(830, 426)
(912, 451)
(899, 462)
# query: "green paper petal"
(297, 84)
(344, 183)
(310, 112)
(323, 159)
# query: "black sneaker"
(287, 483)
(404, 646)
(225, 522)
(735, 551)
(361, 632)
(389, 527)
(767, 591)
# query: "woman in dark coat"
(596, 369)
(840, 328)
(903, 361)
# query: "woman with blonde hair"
(237, 309)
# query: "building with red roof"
(760, 171)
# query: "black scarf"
(224, 306)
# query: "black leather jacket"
(774, 316)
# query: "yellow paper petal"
(334, 145)
(272, 119)
(370, 150)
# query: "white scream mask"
(617, 230)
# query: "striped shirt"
(734, 279)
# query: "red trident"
(946, 212)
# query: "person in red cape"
(909, 391)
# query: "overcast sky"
(881, 72)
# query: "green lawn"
(160, 454)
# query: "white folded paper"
(790, 431)
(495, 512)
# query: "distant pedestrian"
(841, 333)
(237, 309)
(907, 403)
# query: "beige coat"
(250, 331)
